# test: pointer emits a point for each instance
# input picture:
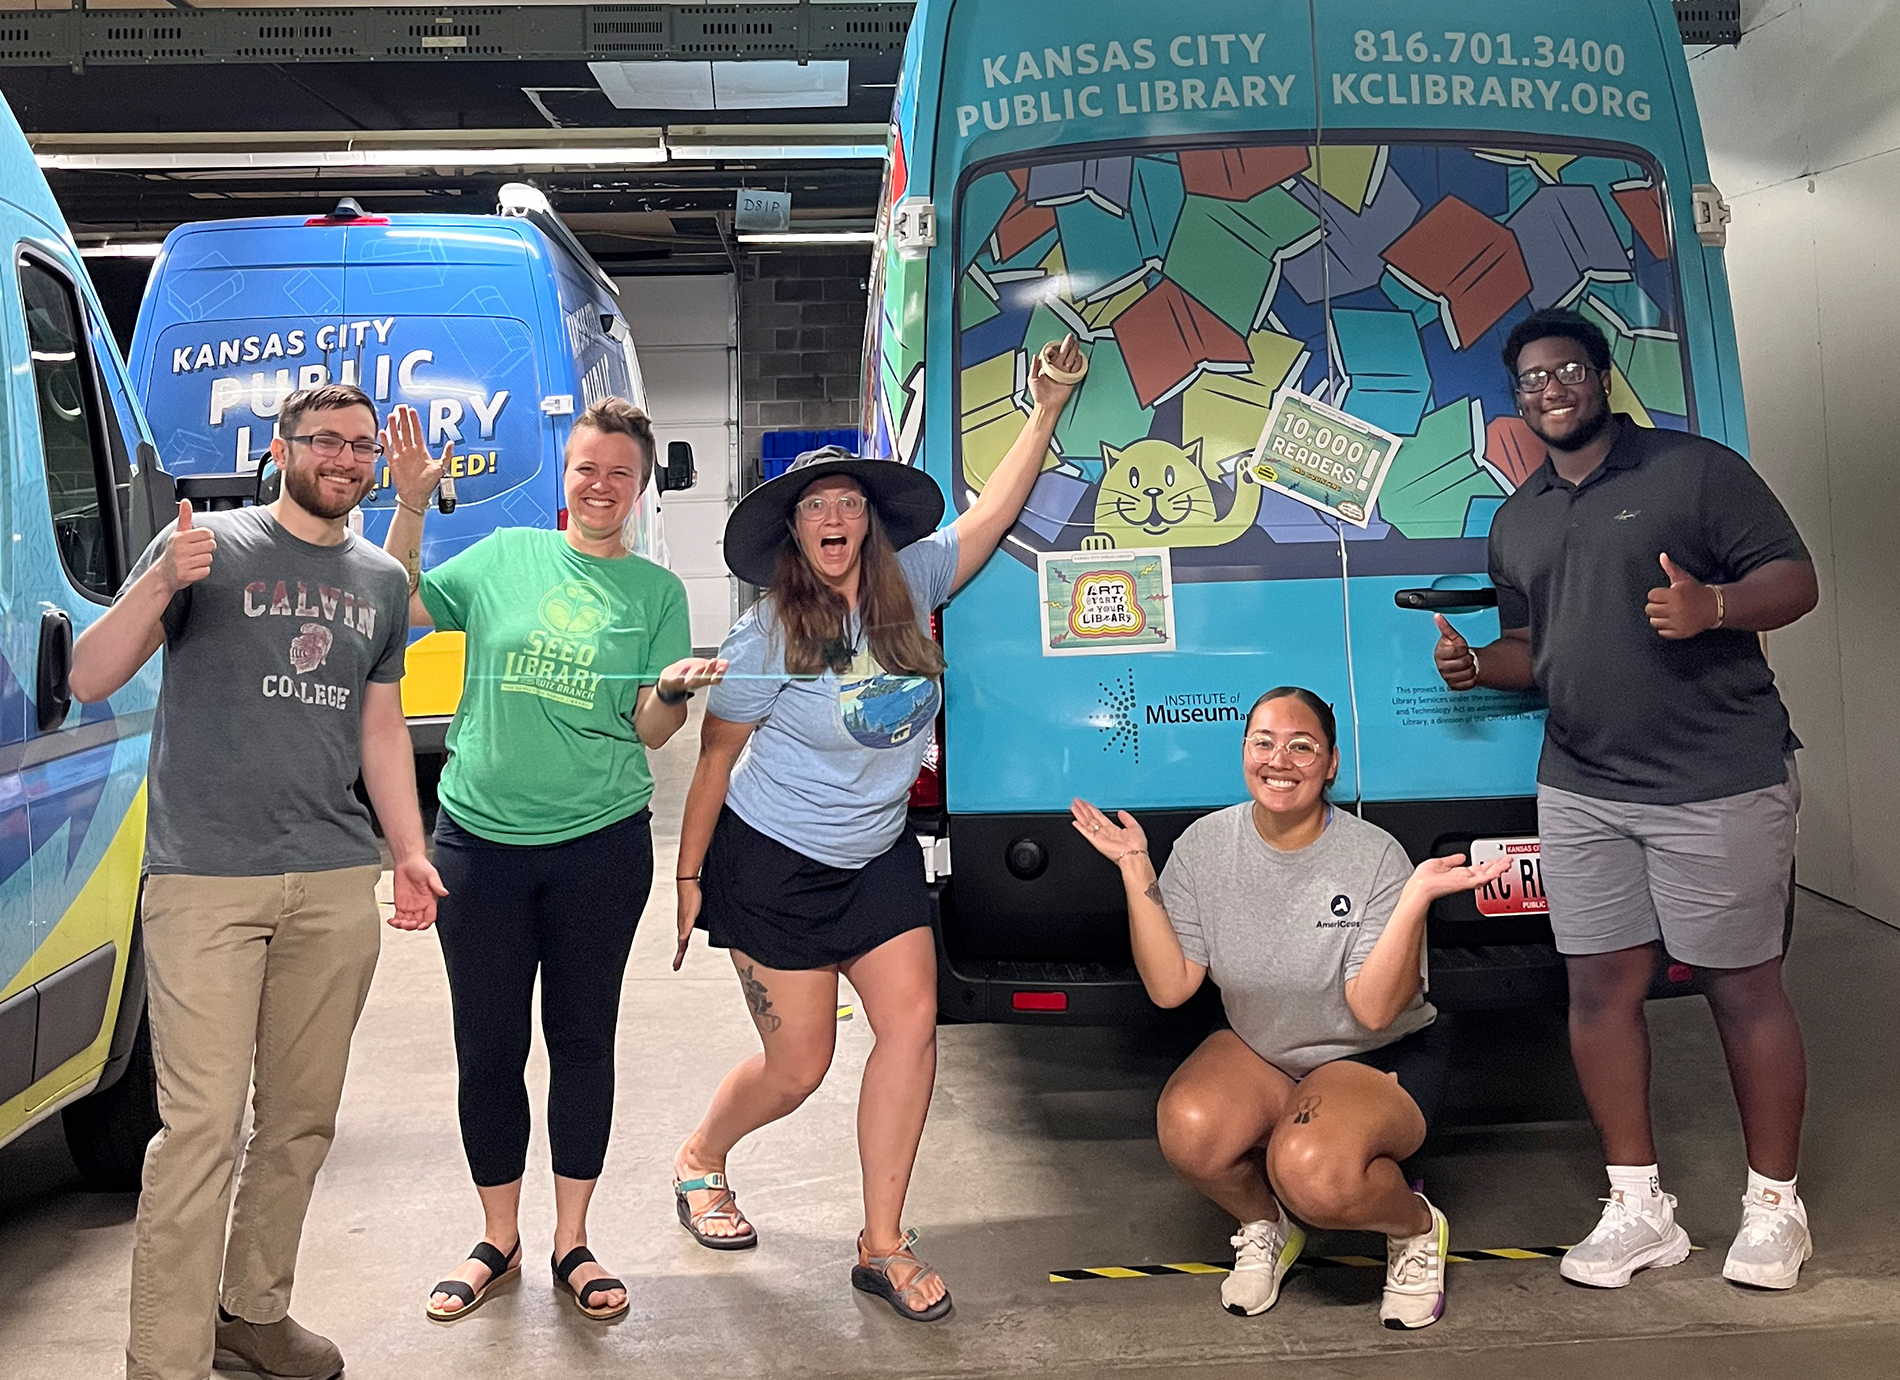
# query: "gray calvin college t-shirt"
(259, 732)
(1281, 932)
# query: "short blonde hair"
(617, 417)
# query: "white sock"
(1762, 1187)
(1639, 1186)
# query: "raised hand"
(413, 471)
(1457, 667)
(1684, 608)
(694, 673)
(1437, 877)
(1113, 840)
(417, 884)
(187, 558)
(1065, 360)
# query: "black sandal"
(565, 1266)
(876, 1275)
(500, 1269)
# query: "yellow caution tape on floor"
(1320, 1262)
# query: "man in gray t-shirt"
(283, 636)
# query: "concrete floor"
(1040, 1156)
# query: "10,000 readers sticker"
(1324, 458)
(1106, 601)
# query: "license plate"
(1520, 891)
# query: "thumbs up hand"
(187, 557)
(1456, 665)
(1683, 608)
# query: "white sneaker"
(1773, 1243)
(1264, 1252)
(1626, 1239)
(1415, 1275)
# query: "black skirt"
(775, 905)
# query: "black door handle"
(54, 691)
(1447, 600)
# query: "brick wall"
(801, 340)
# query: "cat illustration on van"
(1155, 493)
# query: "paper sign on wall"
(1323, 457)
(1106, 601)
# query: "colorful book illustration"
(1228, 254)
(1568, 243)
(1378, 357)
(1198, 286)
(1350, 258)
(1169, 340)
(1467, 263)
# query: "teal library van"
(1226, 203)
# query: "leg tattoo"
(757, 999)
(1306, 1111)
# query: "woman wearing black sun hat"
(794, 856)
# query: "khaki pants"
(250, 978)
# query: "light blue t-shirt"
(829, 768)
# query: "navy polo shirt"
(1635, 716)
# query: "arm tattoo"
(412, 562)
(760, 1003)
(1306, 1111)
(1153, 893)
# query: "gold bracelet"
(1721, 609)
(419, 512)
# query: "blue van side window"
(1200, 284)
(80, 479)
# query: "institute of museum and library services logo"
(1123, 713)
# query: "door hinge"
(936, 857)
(560, 405)
(914, 227)
(1711, 215)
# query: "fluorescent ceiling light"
(772, 153)
(812, 237)
(147, 249)
(758, 85)
(261, 161)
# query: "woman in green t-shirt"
(578, 661)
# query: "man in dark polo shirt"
(1634, 573)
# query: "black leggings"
(569, 910)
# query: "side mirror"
(154, 498)
(678, 474)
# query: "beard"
(305, 488)
(1581, 435)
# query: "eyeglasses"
(327, 445)
(1537, 380)
(1302, 752)
(814, 508)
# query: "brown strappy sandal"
(723, 1208)
(874, 1274)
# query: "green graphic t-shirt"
(543, 748)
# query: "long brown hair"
(811, 615)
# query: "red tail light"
(348, 220)
(1039, 1001)
(560, 520)
(926, 793)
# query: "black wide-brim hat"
(909, 505)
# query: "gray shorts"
(1709, 879)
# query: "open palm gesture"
(1115, 838)
(413, 471)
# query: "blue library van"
(498, 329)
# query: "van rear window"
(1199, 281)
